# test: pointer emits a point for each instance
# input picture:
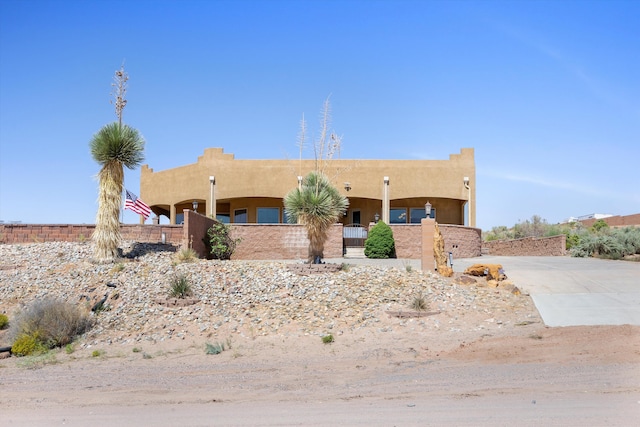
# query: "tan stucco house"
(252, 191)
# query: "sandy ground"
(525, 374)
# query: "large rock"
(491, 271)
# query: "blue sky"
(547, 92)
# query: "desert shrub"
(27, 344)
(186, 255)
(216, 348)
(327, 339)
(380, 243)
(219, 242)
(419, 303)
(4, 321)
(180, 287)
(599, 225)
(52, 322)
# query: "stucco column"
(385, 200)
(172, 214)
(212, 198)
(428, 227)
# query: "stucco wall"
(529, 246)
(34, 233)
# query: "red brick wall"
(34, 233)
(281, 241)
(617, 221)
(195, 231)
(463, 242)
(529, 246)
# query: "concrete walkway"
(574, 291)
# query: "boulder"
(491, 271)
(466, 280)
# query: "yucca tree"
(317, 205)
(113, 147)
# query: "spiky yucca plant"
(317, 205)
(113, 147)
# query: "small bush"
(97, 353)
(28, 344)
(53, 322)
(216, 348)
(327, 339)
(219, 242)
(180, 287)
(380, 243)
(419, 303)
(4, 321)
(186, 255)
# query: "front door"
(355, 217)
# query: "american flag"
(137, 205)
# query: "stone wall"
(35, 233)
(529, 246)
(617, 221)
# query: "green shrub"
(4, 321)
(327, 339)
(219, 242)
(599, 225)
(27, 344)
(180, 287)
(380, 243)
(216, 348)
(53, 322)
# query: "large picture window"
(398, 216)
(417, 214)
(224, 218)
(268, 215)
(240, 216)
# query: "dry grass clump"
(46, 324)
(186, 255)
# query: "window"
(268, 215)
(224, 218)
(417, 214)
(240, 216)
(180, 218)
(398, 216)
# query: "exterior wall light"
(427, 209)
(347, 186)
(376, 217)
(195, 206)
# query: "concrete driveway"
(574, 291)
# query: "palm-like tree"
(317, 205)
(113, 147)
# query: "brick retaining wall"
(463, 242)
(529, 246)
(36, 233)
